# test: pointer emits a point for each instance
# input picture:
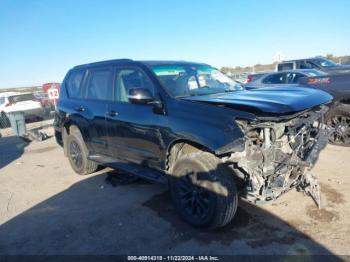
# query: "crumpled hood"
(275, 100)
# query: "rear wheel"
(339, 121)
(78, 154)
(203, 190)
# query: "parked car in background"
(288, 77)
(4, 121)
(338, 85)
(338, 118)
(192, 127)
(253, 77)
(26, 103)
(46, 103)
(48, 86)
(318, 63)
(43, 98)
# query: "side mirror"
(140, 96)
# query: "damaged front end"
(279, 155)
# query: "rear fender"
(81, 124)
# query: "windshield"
(315, 72)
(193, 79)
(323, 62)
(22, 98)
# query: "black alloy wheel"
(193, 198)
(76, 154)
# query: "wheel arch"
(67, 128)
(178, 146)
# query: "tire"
(203, 190)
(78, 154)
(339, 120)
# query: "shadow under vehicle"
(87, 220)
(11, 148)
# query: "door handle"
(113, 113)
(80, 109)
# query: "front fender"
(210, 126)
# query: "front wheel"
(78, 155)
(203, 190)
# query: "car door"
(98, 92)
(75, 105)
(134, 130)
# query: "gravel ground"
(47, 209)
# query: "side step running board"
(144, 172)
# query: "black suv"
(193, 128)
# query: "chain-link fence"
(33, 121)
(4, 121)
(31, 125)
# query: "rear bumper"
(37, 112)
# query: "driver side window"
(275, 79)
(128, 79)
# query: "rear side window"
(99, 85)
(74, 85)
(306, 65)
(274, 79)
(285, 66)
(2, 100)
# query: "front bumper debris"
(279, 156)
(312, 188)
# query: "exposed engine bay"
(278, 156)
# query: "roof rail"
(105, 62)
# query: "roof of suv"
(297, 60)
(146, 62)
(167, 62)
(106, 62)
(306, 71)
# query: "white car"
(14, 102)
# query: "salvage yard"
(45, 208)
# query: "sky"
(41, 39)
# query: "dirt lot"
(46, 209)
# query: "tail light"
(315, 81)
(249, 78)
(8, 104)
